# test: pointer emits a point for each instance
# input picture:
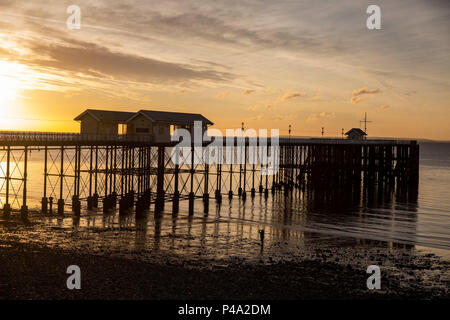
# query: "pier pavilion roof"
(356, 131)
(107, 115)
(179, 118)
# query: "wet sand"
(329, 269)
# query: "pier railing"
(30, 136)
(37, 137)
(302, 141)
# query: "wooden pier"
(132, 174)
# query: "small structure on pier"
(161, 124)
(103, 121)
(356, 134)
(157, 125)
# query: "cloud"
(272, 90)
(253, 108)
(290, 96)
(221, 29)
(222, 95)
(321, 115)
(284, 117)
(382, 107)
(364, 90)
(247, 92)
(355, 100)
(260, 107)
(181, 91)
(259, 117)
(75, 56)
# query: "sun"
(11, 80)
(14, 78)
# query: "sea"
(234, 227)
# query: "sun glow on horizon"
(14, 78)
(10, 80)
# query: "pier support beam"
(160, 194)
(44, 201)
(60, 206)
(191, 203)
(24, 208)
(7, 206)
(61, 184)
(176, 194)
(191, 193)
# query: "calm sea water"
(233, 226)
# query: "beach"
(334, 270)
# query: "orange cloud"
(182, 91)
(222, 95)
(355, 100)
(260, 117)
(364, 90)
(259, 107)
(322, 115)
(253, 108)
(382, 107)
(284, 117)
(291, 95)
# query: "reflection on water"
(232, 228)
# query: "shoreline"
(30, 271)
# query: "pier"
(132, 174)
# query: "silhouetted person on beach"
(261, 237)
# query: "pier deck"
(133, 173)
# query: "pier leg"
(95, 195)
(230, 192)
(176, 195)
(205, 203)
(24, 208)
(76, 205)
(176, 202)
(61, 178)
(44, 201)
(205, 190)
(253, 191)
(159, 205)
(44, 205)
(50, 203)
(243, 190)
(61, 206)
(106, 199)
(218, 193)
(192, 194)
(191, 203)
(7, 206)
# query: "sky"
(270, 64)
